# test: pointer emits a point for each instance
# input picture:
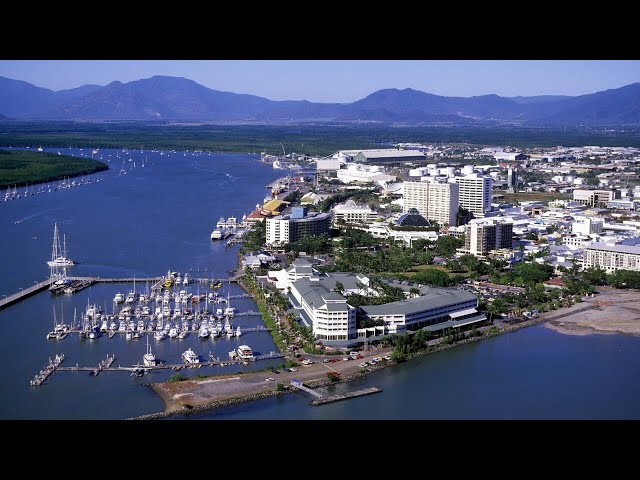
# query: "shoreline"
(173, 409)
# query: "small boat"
(131, 297)
(119, 298)
(238, 332)
(94, 333)
(190, 356)
(173, 332)
(183, 334)
(160, 335)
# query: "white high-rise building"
(475, 193)
(435, 201)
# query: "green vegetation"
(524, 274)
(333, 377)
(293, 197)
(254, 239)
(177, 377)
(22, 168)
(311, 244)
(354, 238)
(436, 277)
(280, 387)
(314, 139)
(396, 258)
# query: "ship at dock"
(59, 253)
(220, 233)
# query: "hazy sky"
(343, 80)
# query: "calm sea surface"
(160, 217)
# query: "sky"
(343, 80)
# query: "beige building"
(435, 201)
(350, 213)
(612, 257)
(596, 198)
(482, 237)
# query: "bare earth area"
(610, 311)
(198, 393)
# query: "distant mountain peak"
(180, 98)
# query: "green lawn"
(21, 168)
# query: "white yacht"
(229, 311)
(190, 357)
(183, 334)
(245, 353)
(59, 255)
(220, 234)
(185, 280)
(203, 332)
(173, 332)
(131, 297)
(238, 332)
(149, 359)
(119, 298)
(160, 335)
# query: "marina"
(112, 249)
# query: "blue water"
(534, 373)
(140, 224)
(160, 218)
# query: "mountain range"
(180, 99)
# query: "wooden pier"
(24, 293)
(345, 396)
(48, 370)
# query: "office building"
(435, 201)
(475, 193)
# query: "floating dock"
(79, 283)
(112, 333)
(104, 364)
(48, 370)
(345, 396)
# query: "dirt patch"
(609, 312)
